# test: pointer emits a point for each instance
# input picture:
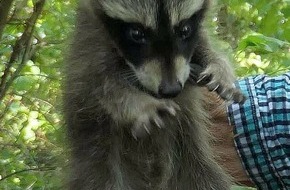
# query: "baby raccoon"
(132, 102)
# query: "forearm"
(212, 60)
(121, 100)
(262, 130)
(223, 143)
(214, 71)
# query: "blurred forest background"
(33, 38)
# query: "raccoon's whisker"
(192, 75)
(130, 77)
(127, 73)
(132, 80)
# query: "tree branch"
(26, 170)
(24, 42)
(5, 6)
(8, 104)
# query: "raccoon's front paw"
(150, 116)
(222, 83)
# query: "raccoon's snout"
(169, 89)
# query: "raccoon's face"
(156, 38)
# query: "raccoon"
(132, 102)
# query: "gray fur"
(102, 110)
(140, 11)
(145, 11)
(183, 9)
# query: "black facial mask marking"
(139, 44)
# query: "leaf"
(24, 83)
(286, 11)
(260, 43)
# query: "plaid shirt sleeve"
(262, 130)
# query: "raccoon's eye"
(185, 32)
(137, 35)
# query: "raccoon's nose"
(170, 90)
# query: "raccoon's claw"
(204, 80)
(141, 127)
(169, 107)
(225, 92)
(231, 94)
(158, 122)
(143, 124)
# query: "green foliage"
(30, 119)
(31, 58)
(258, 31)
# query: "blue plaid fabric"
(262, 130)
